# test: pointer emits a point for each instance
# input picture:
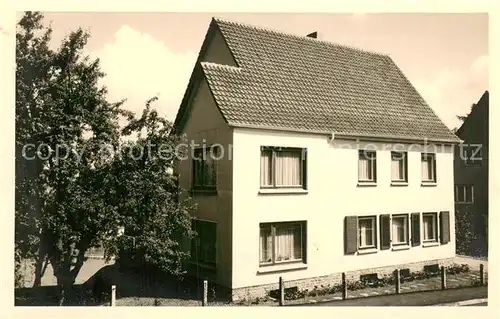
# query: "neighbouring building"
(471, 180)
(319, 159)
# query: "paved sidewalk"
(427, 298)
(434, 283)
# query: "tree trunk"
(65, 284)
(66, 275)
(40, 267)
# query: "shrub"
(355, 285)
(457, 269)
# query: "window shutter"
(304, 168)
(415, 229)
(385, 232)
(444, 225)
(435, 168)
(304, 242)
(351, 235)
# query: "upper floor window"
(464, 194)
(399, 167)
(428, 167)
(283, 167)
(472, 154)
(367, 165)
(205, 168)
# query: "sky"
(444, 55)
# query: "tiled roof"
(291, 82)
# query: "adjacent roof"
(478, 107)
(289, 82)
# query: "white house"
(325, 159)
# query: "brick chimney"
(313, 35)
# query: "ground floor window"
(429, 221)
(282, 242)
(367, 228)
(203, 245)
(400, 229)
(367, 234)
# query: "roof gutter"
(350, 136)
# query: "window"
(366, 232)
(282, 242)
(400, 229)
(367, 166)
(429, 221)
(472, 154)
(205, 168)
(464, 194)
(428, 168)
(282, 167)
(399, 167)
(203, 245)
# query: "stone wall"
(332, 279)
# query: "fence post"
(282, 292)
(443, 277)
(205, 293)
(481, 274)
(344, 287)
(397, 276)
(113, 295)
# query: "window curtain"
(288, 243)
(365, 232)
(428, 227)
(265, 168)
(288, 168)
(209, 170)
(398, 230)
(363, 168)
(266, 244)
(397, 168)
(427, 174)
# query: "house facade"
(309, 159)
(471, 177)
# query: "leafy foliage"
(75, 181)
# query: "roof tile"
(292, 82)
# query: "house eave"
(351, 136)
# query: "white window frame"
(374, 232)
(462, 188)
(273, 151)
(405, 229)
(371, 157)
(431, 157)
(403, 161)
(273, 226)
(435, 227)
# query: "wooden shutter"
(351, 235)
(304, 242)
(444, 226)
(385, 231)
(304, 168)
(415, 229)
(435, 168)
